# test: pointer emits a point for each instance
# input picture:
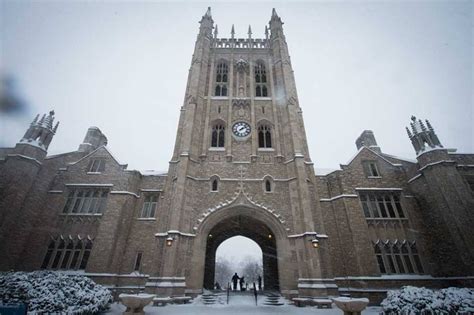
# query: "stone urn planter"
(135, 302)
(351, 306)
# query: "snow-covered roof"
(374, 152)
(107, 149)
(153, 173)
(324, 171)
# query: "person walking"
(235, 278)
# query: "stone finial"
(232, 32)
(215, 31)
(274, 13)
(266, 32)
(208, 12)
(422, 138)
(250, 31)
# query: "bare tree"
(252, 268)
(223, 272)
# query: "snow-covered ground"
(237, 305)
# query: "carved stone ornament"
(242, 65)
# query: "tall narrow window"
(268, 185)
(85, 256)
(138, 261)
(264, 137)
(149, 207)
(221, 79)
(59, 253)
(379, 257)
(260, 80)
(48, 255)
(388, 255)
(416, 258)
(365, 205)
(398, 258)
(406, 258)
(77, 252)
(218, 136)
(215, 185)
(67, 254)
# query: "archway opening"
(246, 226)
(240, 255)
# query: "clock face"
(241, 129)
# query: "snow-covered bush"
(54, 292)
(414, 300)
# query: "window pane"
(381, 264)
(408, 264)
(388, 203)
(84, 260)
(64, 263)
(418, 264)
(47, 258)
(365, 207)
(381, 205)
(75, 258)
(398, 206)
(268, 139)
(398, 258)
(152, 210)
(373, 206)
(138, 261)
(56, 259)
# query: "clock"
(241, 129)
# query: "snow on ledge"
(339, 196)
(308, 234)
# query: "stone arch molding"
(244, 200)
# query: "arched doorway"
(252, 228)
(241, 255)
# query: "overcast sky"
(122, 66)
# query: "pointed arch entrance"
(252, 228)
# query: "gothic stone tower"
(241, 166)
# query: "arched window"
(221, 79)
(215, 184)
(218, 136)
(65, 253)
(260, 80)
(268, 185)
(264, 136)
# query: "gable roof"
(91, 153)
(374, 152)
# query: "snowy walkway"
(237, 305)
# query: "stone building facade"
(240, 166)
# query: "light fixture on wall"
(270, 236)
(315, 243)
(210, 236)
(169, 241)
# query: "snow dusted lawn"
(237, 305)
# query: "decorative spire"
(208, 12)
(215, 32)
(266, 32)
(250, 32)
(232, 32)
(40, 133)
(35, 120)
(422, 136)
(274, 13)
(56, 127)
